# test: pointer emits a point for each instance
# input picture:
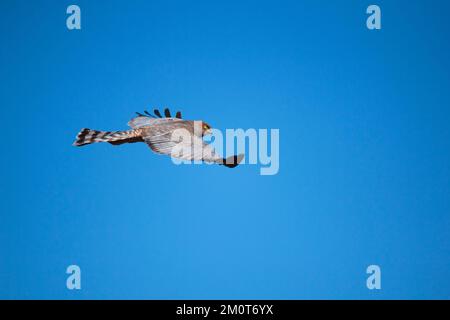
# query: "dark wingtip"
(146, 114)
(157, 113)
(233, 161)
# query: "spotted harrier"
(166, 135)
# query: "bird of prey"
(166, 135)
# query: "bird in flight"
(164, 134)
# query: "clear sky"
(364, 150)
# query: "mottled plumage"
(167, 135)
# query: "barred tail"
(88, 136)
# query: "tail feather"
(88, 136)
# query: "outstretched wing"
(182, 145)
(186, 146)
(148, 119)
(157, 114)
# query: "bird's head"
(206, 129)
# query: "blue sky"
(364, 150)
